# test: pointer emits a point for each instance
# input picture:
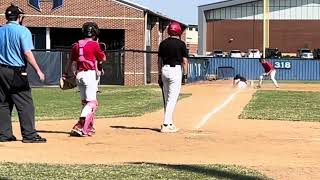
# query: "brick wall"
(287, 35)
(107, 14)
(193, 48)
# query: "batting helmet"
(13, 12)
(90, 29)
(174, 29)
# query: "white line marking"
(205, 119)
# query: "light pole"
(266, 8)
(253, 23)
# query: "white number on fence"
(282, 65)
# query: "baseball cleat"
(77, 129)
(76, 133)
(168, 128)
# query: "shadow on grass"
(53, 132)
(207, 171)
(136, 128)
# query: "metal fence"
(227, 68)
(53, 64)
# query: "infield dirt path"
(280, 149)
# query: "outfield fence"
(203, 68)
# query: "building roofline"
(223, 4)
(148, 10)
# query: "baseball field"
(224, 133)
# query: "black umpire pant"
(15, 90)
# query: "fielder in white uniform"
(100, 72)
(173, 68)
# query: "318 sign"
(282, 65)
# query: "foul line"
(205, 119)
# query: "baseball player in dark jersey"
(173, 67)
(240, 81)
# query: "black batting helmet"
(90, 29)
(13, 12)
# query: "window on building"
(217, 14)
(148, 37)
(34, 40)
(228, 13)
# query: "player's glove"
(67, 82)
(184, 79)
(160, 81)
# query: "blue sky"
(185, 11)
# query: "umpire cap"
(12, 12)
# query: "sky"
(185, 11)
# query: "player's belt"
(15, 68)
(173, 65)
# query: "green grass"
(283, 105)
(134, 171)
(53, 103)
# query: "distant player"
(84, 55)
(240, 81)
(269, 71)
(100, 72)
(173, 66)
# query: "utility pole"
(266, 8)
(253, 24)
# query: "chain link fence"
(53, 64)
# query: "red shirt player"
(84, 57)
(269, 71)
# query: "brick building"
(294, 24)
(123, 25)
(192, 39)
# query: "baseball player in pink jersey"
(172, 64)
(269, 71)
(84, 56)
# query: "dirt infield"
(280, 149)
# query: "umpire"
(15, 52)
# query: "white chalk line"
(205, 119)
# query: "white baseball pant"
(272, 77)
(98, 79)
(241, 84)
(171, 78)
(87, 84)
